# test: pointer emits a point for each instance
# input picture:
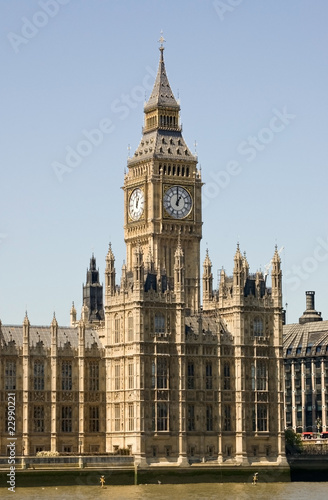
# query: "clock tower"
(162, 193)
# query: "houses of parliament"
(158, 364)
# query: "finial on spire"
(161, 48)
(161, 41)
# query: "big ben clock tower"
(162, 192)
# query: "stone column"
(294, 409)
(303, 388)
(53, 357)
(323, 397)
(81, 364)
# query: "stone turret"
(73, 315)
(238, 274)
(138, 269)
(93, 294)
(110, 273)
(207, 282)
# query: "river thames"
(231, 491)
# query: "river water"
(222, 491)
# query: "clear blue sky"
(252, 79)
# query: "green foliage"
(293, 442)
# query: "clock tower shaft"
(162, 193)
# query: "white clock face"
(136, 204)
(177, 202)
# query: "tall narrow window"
(191, 418)
(10, 376)
(130, 328)
(262, 418)
(190, 375)
(258, 327)
(38, 376)
(159, 324)
(94, 418)
(162, 417)
(227, 418)
(153, 417)
(117, 379)
(153, 375)
(226, 376)
(261, 376)
(162, 373)
(66, 424)
(131, 417)
(208, 375)
(38, 419)
(117, 418)
(209, 418)
(253, 377)
(67, 382)
(130, 375)
(117, 330)
(94, 376)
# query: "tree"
(293, 442)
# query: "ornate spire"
(162, 95)
(207, 261)
(110, 255)
(93, 263)
(238, 257)
(26, 320)
(54, 321)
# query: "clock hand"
(137, 202)
(178, 199)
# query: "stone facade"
(160, 375)
(57, 376)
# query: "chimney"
(310, 314)
(310, 301)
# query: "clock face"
(136, 204)
(177, 202)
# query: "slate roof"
(42, 334)
(162, 144)
(297, 339)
